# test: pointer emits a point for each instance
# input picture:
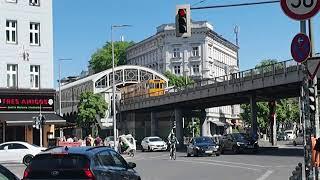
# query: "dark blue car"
(202, 146)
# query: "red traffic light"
(182, 12)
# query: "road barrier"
(297, 173)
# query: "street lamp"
(60, 112)
(114, 87)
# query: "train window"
(157, 85)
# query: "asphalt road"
(268, 164)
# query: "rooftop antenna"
(236, 32)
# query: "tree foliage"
(102, 58)
(90, 105)
(178, 81)
(195, 126)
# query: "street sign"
(313, 67)
(300, 47)
(300, 9)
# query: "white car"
(153, 143)
(18, 152)
(290, 134)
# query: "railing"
(247, 75)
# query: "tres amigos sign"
(26, 103)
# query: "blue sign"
(300, 47)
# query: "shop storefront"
(18, 112)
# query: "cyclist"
(172, 139)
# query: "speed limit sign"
(300, 9)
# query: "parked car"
(18, 152)
(202, 146)
(153, 143)
(290, 134)
(282, 136)
(97, 163)
(6, 174)
(109, 141)
(239, 142)
(298, 140)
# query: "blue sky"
(83, 26)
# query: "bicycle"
(173, 151)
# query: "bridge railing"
(248, 75)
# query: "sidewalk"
(280, 144)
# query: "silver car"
(298, 140)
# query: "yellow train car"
(155, 87)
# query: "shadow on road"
(273, 151)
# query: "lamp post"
(60, 113)
(114, 87)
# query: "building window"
(176, 53)
(34, 2)
(12, 71)
(34, 77)
(11, 31)
(12, 1)
(195, 51)
(195, 69)
(210, 51)
(35, 34)
(177, 69)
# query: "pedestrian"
(97, 141)
(91, 140)
(88, 141)
(69, 139)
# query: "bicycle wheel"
(174, 155)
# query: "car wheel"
(217, 154)
(149, 149)
(27, 159)
(188, 154)
(142, 149)
(235, 149)
(294, 143)
(196, 154)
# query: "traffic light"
(312, 98)
(182, 19)
(183, 26)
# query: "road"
(268, 164)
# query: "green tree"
(102, 58)
(90, 105)
(178, 81)
(262, 115)
(195, 126)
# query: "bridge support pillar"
(203, 123)
(154, 124)
(179, 127)
(253, 104)
(131, 123)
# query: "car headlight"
(217, 147)
(240, 143)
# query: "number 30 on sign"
(300, 9)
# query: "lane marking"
(152, 157)
(224, 165)
(265, 175)
(235, 163)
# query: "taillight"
(88, 173)
(26, 172)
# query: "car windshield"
(155, 139)
(200, 140)
(35, 145)
(241, 136)
(110, 138)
